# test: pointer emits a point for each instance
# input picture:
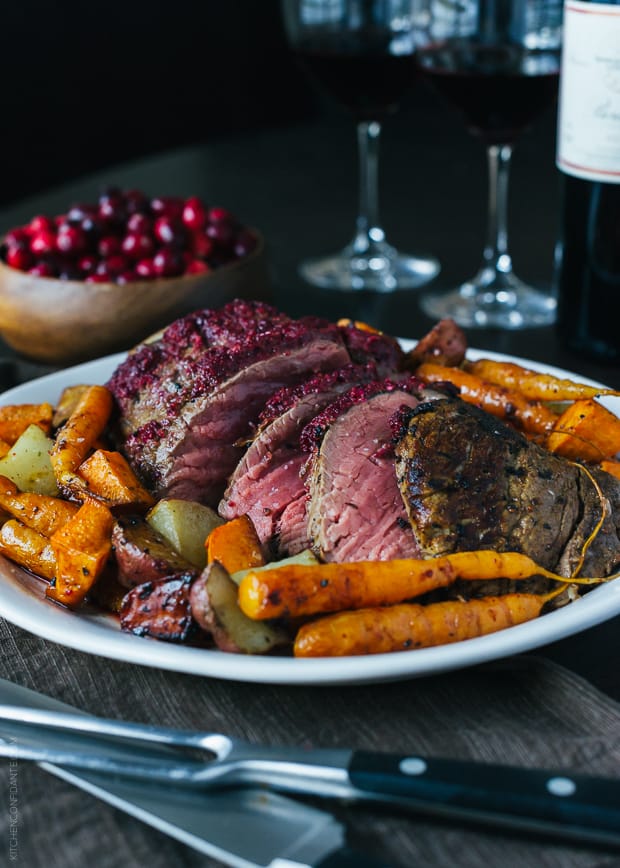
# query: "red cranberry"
(43, 242)
(194, 214)
(16, 237)
(167, 263)
(97, 278)
(112, 207)
(245, 243)
(222, 233)
(136, 202)
(169, 206)
(169, 230)
(127, 277)
(42, 269)
(145, 269)
(217, 215)
(139, 223)
(41, 224)
(71, 239)
(87, 264)
(20, 258)
(77, 213)
(138, 245)
(202, 246)
(197, 266)
(109, 245)
(113, 265)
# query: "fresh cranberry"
(19, 257)
(217, 215)
(170, 230)
(77, 213)
(109, 245)
(245, 243)
(136, 202)
(168, 206)
(167, 263)
(71, 239)
(42, 269)
(194, 214)
(223, 234)
(138, 245)
(145, 269)
(113, 265)
(87, 264)
(97, 278)
(43, 242)
(112, 207)
(127, 277)
(41, 224)
(197, 266)
(140, 223)
(202, 246)
(16, 237)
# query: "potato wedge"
(28, 463)
(214, 606)
(186, 525)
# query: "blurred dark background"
(87, 85)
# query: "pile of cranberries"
(126, 237)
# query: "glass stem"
(496, 256)
(369, 233)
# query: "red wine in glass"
(500, 89)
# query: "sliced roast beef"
(354, 509)
(182, 418)
(268, 480)
(470, 482)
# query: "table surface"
(298, 184)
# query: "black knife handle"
(346, 857)
(586, 808)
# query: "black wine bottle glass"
(361, 53)
(498, 63)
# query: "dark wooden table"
(298, 184)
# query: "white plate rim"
(98, 634)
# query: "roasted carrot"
(611, 466)
(81, 548)
(78, 435)
(109, 477)
(5, 448)
(344, 322)
(27, 548)
(409, 626)
(509, 404)
(586, 431)
(235, 545)
(15, 418)
(66, 404)
(41, 512)
(533, 385)
(309, 590)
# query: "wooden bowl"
(61, 322)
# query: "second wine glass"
(498, 62)
(361, 53)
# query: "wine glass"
(498, 62)
(361, 53)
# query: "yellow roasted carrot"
(41, 512)
(81, 548)
(296, 591)
(586, 431)
(80, 432)
(533, 385)
(509, 404)
(235, 545)
(28, 548)
(108, 476)
(15, 418)
(409, 626)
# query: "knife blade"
(561, 804)
(244, 828)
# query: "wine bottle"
(588, 156)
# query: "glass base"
(383, 270)
(503, 302)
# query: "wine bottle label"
(589, 115)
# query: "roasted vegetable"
(533, 385)
(161, 609)
(143, 554)
(41, 512)
(15, 418)
(78, 436)
(109, 477)
(28, 463)
(28, 548)
(186, 526)
(586, 431)
(235, 545)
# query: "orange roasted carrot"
(109, 477)
(295, 590)
(409, 626)
(15, 418)
(41, 512)
(533, 385)
(81, 548)
(586, 431)
(80, 432)
(611, 466)
(28, 548)
(509, 404)
(235, 545)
